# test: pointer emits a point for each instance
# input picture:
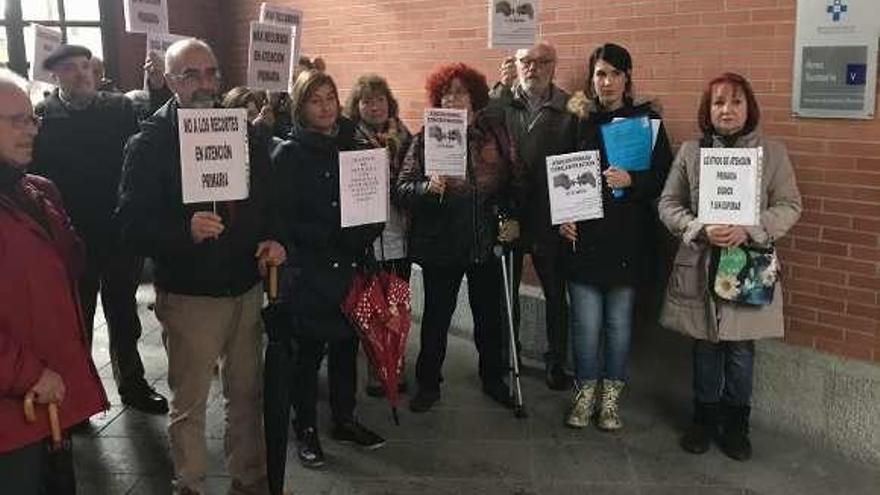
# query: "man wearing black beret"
(80, 148)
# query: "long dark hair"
(617, 56)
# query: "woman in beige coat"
(724, 332)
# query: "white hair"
(9, 80)
(174, 51)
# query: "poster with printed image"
(445, 142)
(214, 160)
(41, 42)
(574, 182)
(269, 57)
(730, 186)
(143, 16)
(363, 187)
(513, 23)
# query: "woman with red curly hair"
(454, 226)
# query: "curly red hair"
(474, 81)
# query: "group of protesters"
(90, 186)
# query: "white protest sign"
(513, 23)
(285, 16)
(363, 187)
(574, 181)
(159, 43)
(42, 41)
(269, 62)
(214, 160)
(143, 16)
(445, 142)
(730, 186)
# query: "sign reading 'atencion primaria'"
(214, 159)
(730, 186)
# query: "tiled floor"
(467, 445)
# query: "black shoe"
(499, 392)
(357, 434)
(423, 401)
(734, 441)
(556, 378)
(704, 429)
(308, 448)
(375, 390)
(145, 399)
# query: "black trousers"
(116, 276)
(547, 261)
(24, 470)
(342, 376)
(485, 298)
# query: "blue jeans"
(723, 371)
(593, 309)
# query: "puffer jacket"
(461, 227)
(690, 307)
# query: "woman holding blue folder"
(610, 255)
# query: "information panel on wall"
(835, 59)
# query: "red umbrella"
(378, 307)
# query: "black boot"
(308, 448)
(698, 437)
(734, 439)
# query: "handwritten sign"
(574, 182)
(363, 187)
(730, 186)
(214, 160)
(285, 16)
(43, 41)
(446, 142)
(269, 62)
(143, 16)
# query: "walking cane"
(506, 258)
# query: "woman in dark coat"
(454, 226)
(322, 262)
(610, 255)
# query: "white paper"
(574, 181)
(730, 186)
(285, 16)
(363, 187)
(41, 42)
(159, 43)
(445, 142)
(513, 23)
(143, 16)
(269, 57)
(214, 160)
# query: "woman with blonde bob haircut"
(724, 332)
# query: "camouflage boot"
(609, 419)
(582, 403)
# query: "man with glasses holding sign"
(208, 263)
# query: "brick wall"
(832, 257)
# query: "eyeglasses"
(540, 62)
(22, 121)
(191, 76)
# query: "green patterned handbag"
(745, 274)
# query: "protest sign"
(513, 23)
(285, 16)
(143, 16)
(159, 43)
(575, 187)
(269, 62)
(363, 187)
(42, 41)
(445, 142)
(730, 186)
(214, 160)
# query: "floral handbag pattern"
(745, 274)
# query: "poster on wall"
(730, 186)
(285, 16)
(269, 61)
(41, 42)
(143, 16)
(513, 23)
(214, 160)
(835, 59)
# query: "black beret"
(64, 52)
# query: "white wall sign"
(730, 186)
(269, 61)
(513, 23)
(41, 42)
(574, 182)
(835, 58)
(363, 187)
(445, 142)
(143, 16)
(214, 160)
(285, 16)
